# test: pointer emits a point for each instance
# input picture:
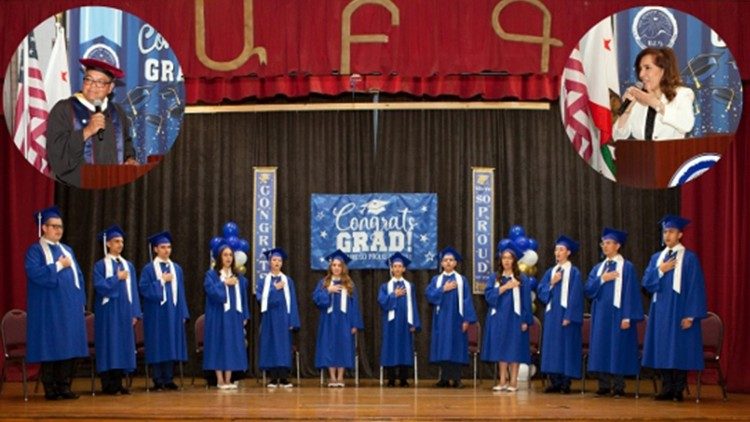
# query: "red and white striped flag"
(31, 108)
(589, 75)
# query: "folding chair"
(200, 332)
(535, 345)
(585, 337)
(90, 336)
(712, 329)
(13, 332)
(474, 335)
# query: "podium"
(662, 164)
(103, 176)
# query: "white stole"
(267, 288)
(620, 262)
(459, 287)
(516, 291)
(157, 269)
(409, 310)
(565, 288)
(677, 277)
(344, 298)
(109, 263)
(237, 294)
(44, 243)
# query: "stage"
(368, 402)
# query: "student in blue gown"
(227, 312)
(616, 309)
(279, 318)
(673, 343)
(400, 319)
(117, 308)
(561, 289)
(56, 300)
(506, 328)
(165, 312)
(450, 295)
(340, 319)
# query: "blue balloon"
(516, 231)
(532, 283)
(244, 246)
(234, 242)
(522, 242)
(215, 242)
(533, 244)
(230, 229)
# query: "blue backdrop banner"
(371, 227)
(482, 229)
(264, 220)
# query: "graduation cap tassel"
(104, 244)
(39, 225)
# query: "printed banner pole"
(482, 229)
(264, 219)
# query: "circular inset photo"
(94, 97)
(651, 97)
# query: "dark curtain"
(207, 180)
(718, 204)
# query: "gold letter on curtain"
(247, 49)
(346, 29)
(544, 40)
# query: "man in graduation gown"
(673, 343)
(561, 289)
(279, 318)
(117, 308)
(450, 295)
(165, 312)
(88, 128)
(56, 300)
(400, 319)
(616, 309)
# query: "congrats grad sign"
(372, 227)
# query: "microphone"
(626, 103)
(98, 109)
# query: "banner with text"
(264, 219)
(371, 227)
(483, 208)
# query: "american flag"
(31, 108)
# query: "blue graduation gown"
(55, 327)
(115, 339)
(164, 325)
(667, 345)
(562, 348)
(503, 340)
(447, 342)
(397, 346)
(334, 346)
(613, 350)
(224, 342)
(276, 325)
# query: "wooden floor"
(369, 401)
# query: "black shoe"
(171, 386)
(124, 391)
(391, 383)
(602, 392)
(110, 391)
(664, 396)
(457, 384)
(618, 393)
(442, 384)
(68, 395)
(158, 387)
(403, 383)
(677, 396)
(52, 395)
(565, 390)
(552, 389)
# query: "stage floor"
(369, 401)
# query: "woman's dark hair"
(218, 266)
(516, 270)
(665, 59)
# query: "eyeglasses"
(55, 226)
(96, 82)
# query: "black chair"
(474, 335)
(712, 329)
(200, 333)
(535, 346)
(13, 331)
(585, 337)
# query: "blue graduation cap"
(340, 255)
(509, 245)
(450, 251)
(112, 232)
(569, 243)
(673, 222)
(42, 216)
(275, 252)
(398, 257)
(159, 239)
(618, 236)
(219, 247)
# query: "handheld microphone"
(626, 103)
(98, 109)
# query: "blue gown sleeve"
(632, 305)
(149, 286)
(244, 292)
(106, 286)
(182, 300)
(574, 313)
(386, 301)
(37, 270)
(434, 294)
(470, 315)
(294, 322)
(651, 279)
(594, 283)
(417, 322)
(526, 314)
(135, 306)
(215, 291)
(259, 289)
(356, 316)
(321, 297)
(544, 288)
(694, 288)
(491, 293)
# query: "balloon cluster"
(231, 236)
(527, 263)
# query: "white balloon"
(240, 258)
(529, 258)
